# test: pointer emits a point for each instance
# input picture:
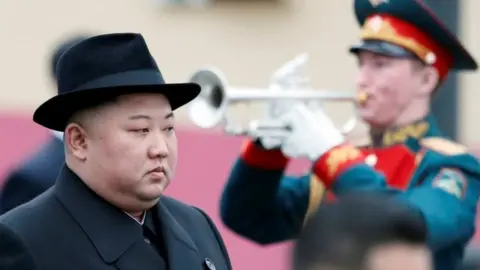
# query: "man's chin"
(372, 119)
(367, 116)
(148, 204)
(150, 198)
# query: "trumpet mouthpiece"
(362, 98)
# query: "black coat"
(33, 176)
(14, 257)
(70, 227)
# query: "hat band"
(403, 33)
(377, 28)
(127, 78)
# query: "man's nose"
(159, 148)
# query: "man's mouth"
(158, 172)
(159, 169)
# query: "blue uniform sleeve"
(446, 193)
(266, 206)
(447, 198)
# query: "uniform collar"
(425, 127)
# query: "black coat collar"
(111, 230)
(114, 234)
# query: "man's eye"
(380, 63)
(141, 130)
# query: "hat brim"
(383, 48)
(56, 112)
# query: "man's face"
(132, 148)
(391, 84)
(400, 257)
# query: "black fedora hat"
(101, 68)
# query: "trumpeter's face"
(392, 86)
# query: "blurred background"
(248, 40)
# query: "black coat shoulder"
(14, 254)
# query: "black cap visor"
(383, 48)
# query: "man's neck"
(382, 129)
(415, 111)
(416, 129)
(139, 217)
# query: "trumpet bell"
(208, 109)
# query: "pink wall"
(205, 160)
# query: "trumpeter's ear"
(429, 80)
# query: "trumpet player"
(404, 55)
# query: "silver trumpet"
(210, 108)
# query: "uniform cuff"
(336, 161)
(255, 155)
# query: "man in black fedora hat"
(107, 208)
(38, 172)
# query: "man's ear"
(76, 141)
(430, 80)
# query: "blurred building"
(247, 39)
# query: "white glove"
(275, 110)
(313, 133)
(281, 81)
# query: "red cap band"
(402, 33)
